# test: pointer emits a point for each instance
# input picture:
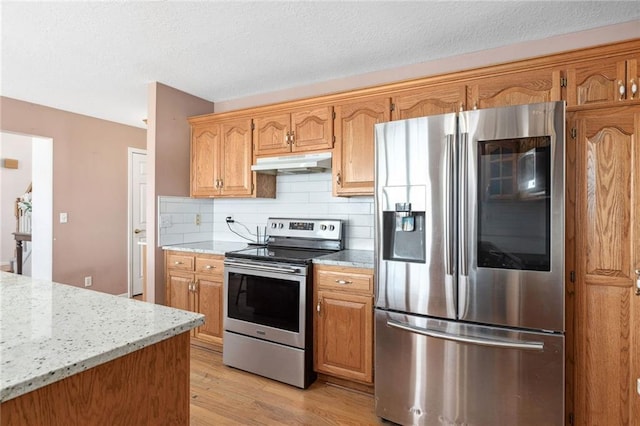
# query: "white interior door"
(137, 218)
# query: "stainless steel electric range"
(268, 322)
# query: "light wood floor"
(222, 395)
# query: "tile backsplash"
(300, 196)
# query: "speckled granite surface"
(353, 258)
(207, 247)
(50, 331)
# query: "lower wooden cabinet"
(194, 283)
(344, 322)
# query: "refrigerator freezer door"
(415, 211)
(435, 372)
(511, 221)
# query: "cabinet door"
(204, 144)
(353, 163)
(607, 347)
(235, 158)
(271, 134)
(431, 101)
(515, 89)
(596, 82)
(344, 340)
(208, 302)
(178, 293)
(312, 129)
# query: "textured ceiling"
(97, 58)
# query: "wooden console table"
(20, 237)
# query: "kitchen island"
(70, 356)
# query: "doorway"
(137, 220)
(41, 176)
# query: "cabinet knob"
(634, 88)
(344, 282)
(318, 307)
(621, 89)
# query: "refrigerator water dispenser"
(403, 234)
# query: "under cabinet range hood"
(293, 164)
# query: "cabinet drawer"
(344, 280)
(210, 265)
(179, 261)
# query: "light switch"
(63, 217)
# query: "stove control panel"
(324, 229)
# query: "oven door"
(266, 301)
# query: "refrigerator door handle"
(464, 205)
(449, 226)
(508, 344)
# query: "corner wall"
(90, 184)
(168, 142)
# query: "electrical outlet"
(64, 217)
(197, 219)
(88, 281)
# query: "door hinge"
(570, 418)
(563, 82)
(574, 133)
(393, 107)
(572, 276)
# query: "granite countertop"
(353, 258)
(207, 247)
(49, 331)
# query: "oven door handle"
(253, 267)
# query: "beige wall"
(168, 141)
(90, 184)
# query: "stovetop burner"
(278, 254)
(297, 241)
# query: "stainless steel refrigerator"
(469, 252)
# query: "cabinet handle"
(177, 262)
(634, 88)
(209, 267)
(286, 138)
(343, 282)
(221, 183)
(293, 138)
(637, 282)
(475, 105)
(338, 179)
(318, 306)
(621, 89)
(190, 286)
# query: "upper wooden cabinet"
(221, 158)
(205, 142)
(353, 160)
(428, 101)
(527, 87)
(299, 131)
(602, 81)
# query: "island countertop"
(50, 331)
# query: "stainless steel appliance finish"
(268, 297)
(470, 267)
